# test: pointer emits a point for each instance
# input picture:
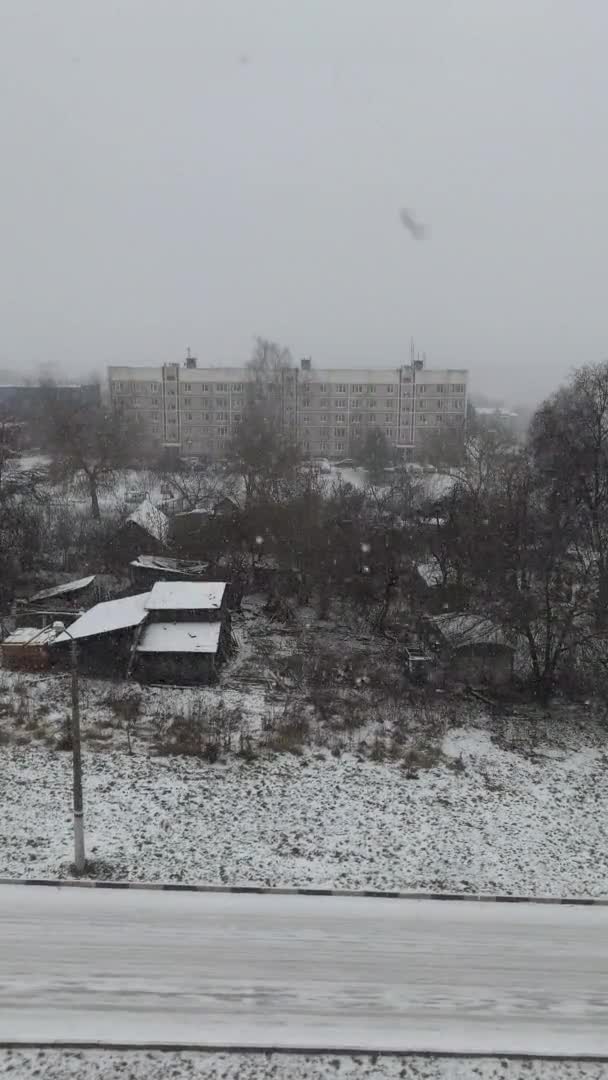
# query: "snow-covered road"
(234, 970)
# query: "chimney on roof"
(190, 360)
(306, 363)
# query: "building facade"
(196, 410)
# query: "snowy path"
(152, 967)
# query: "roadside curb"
(261, 890)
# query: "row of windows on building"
(224, 403)
(133, 386)
(156, 387)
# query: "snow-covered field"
(142, 1065)
(484, 819)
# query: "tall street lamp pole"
(79, 855)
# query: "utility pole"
(79, 854)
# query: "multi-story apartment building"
(195, 410)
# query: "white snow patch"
(108, 617)
(50, 1064)
(186, 596)
(181, 637)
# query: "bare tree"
(88, 444)
(569, 438)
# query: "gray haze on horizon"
(196, 172)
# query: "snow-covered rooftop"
(108, 617)
(180, 637)
(65, 589)
(186, 596)
(31, 635)
(149, 517)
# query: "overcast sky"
(196, 172)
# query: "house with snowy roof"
(186, 635)
(179, 633)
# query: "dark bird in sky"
(409, 222)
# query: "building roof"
(65, 589)
(186, 596)
(149, 517)
(108, 617)
(187, 637)
(166, 565)
(32, 635)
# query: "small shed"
(27, 649)
(187, 633)
(184, 652)
(471, 648)
(146, 570)
(147, 528)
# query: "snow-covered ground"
(155, 1065)
(483, 819)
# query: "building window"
(371, 403)
(221, 403)
(356, 388)
(187, 401)
(388, 416)
(323, 445)
(372, 417)
(342, 388)
(457, 388)
(389, 432)
(322, 388)
(187, 386)
(306, 402)
(323, 418)
(155, 401)
(458, 403)
(340, 403)
(390, 389)
(170, 378)
(339, 431)
(440, 388)
(221, 387)
(339, 446)
(221, 416)
(222, 430)
(306, 419)
(355, 403)
(421, 388)
(190, 416)
(422, 404)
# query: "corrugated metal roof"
(65, 589)
(168, 565)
